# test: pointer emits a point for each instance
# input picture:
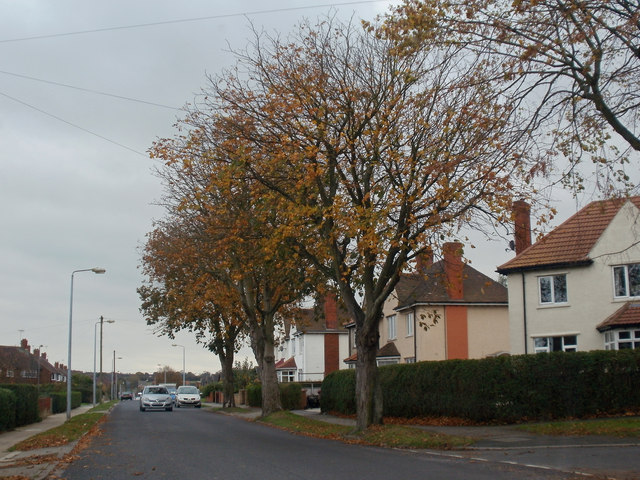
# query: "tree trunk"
(270, 390)
(228, 387)
(368, 389)
(262, 343)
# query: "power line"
(185, 20)
(121, 97)
(70, 123)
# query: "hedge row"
(502, 389)
(290, 395)
(59, 401)
(26, 403)
(7, 409)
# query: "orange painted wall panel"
(457, 332)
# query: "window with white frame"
(622, 339)
(565, 343)
(409, 319)
(387, 361)
(410, 360)
(391, 320)
(626, 280)
(553, 289)
(285, 376)
(10, 373)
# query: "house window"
(567, 343)
(388, 361)
(553, 289)
(285, 376)
(409, 318)
(626, 280)
(622, 339)
(410, 360)
(392, 327)
(10, 373)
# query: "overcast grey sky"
(76, 186)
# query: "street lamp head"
(174, 344)
(110, 321)
(98, 270)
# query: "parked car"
(188, 396)
(156, 397)
(126, 396)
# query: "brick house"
(444, 310)
(314, 342)
(577, 288)
(19, 365)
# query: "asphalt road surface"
(197, 444)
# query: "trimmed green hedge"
(501, 389)
(59, 401)
(7, 409)
(290, 395)
(26, 406)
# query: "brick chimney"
(453, 267)
(36, 352)
(522, 221)
(24, 344)
(44, 355)
(331, 338)
(424, 261)
(330, 311)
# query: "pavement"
(34, 464)
(38, 464)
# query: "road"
(195, 443)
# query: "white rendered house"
(577, 288)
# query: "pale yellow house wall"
(488, 331)
(589, 290)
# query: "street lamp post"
(183, 354)
(102, 320)
(94, 270)
(114, 378)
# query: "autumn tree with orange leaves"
(182, 293)
(228, 222)
(572, 66)
(372, 154)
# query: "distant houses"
(19, 365)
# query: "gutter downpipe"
(415, 336)
(524, 314)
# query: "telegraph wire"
(186, 20)
(71, 124)
(121, 97)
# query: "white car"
(188, 396)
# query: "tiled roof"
(286, 364)
(625, 316)
(431, 287)
(389, 350)
(571, 242)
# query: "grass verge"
(396, 436)
(624, 427)
(68, 432)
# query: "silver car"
(156, 397)
(188, 396)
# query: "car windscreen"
(188, 390)
(157, 390)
